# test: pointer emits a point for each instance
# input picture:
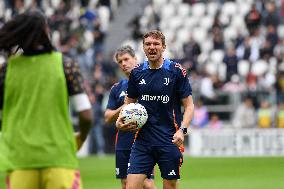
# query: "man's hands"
(178, 138)
(120, 125)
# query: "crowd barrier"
(236, 142)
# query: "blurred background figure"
(280, 116)
(215, 122)
(200, 116)
(245, 115)
(265, 115)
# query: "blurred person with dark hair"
(38, 145)
(279, 85)
(215, 122)
(127, 61)
(253, 19)
(191, 50)
(231, 61)
(271, 16)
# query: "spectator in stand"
(271, 16)
(191, 51)
(265, 115)
(231, 61)
(253, 19)
(266, 51)
(280, 116)
(278, 51)
(200, 116)
(245, 115)
(218, 40)
(243, 50)
(97, 140)
(207, 91)
(195, 81)
(215, 122)
(279, 85)
(272, 35)
(134, 24)
(234, 85)
(251, 83)
(282, 11)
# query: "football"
(134, 112)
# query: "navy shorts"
(121, 163)
(144, 157)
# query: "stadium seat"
(222, 71)
(217, 56)
(2, 8)
(182, 35)
(131, 43)
(183, 10)
(2, 59)
(280, 31)
(175, 22)
(167, 11)
(176, 2)
(89, 38)
(206, 22)
(272, 65)
(199, 34)
(229, 8)
(243, 68)
(169, 34)
(230, 33)
(55, 38)
(224, 19)
(8, 14)
(159, 4)
(259, 68)
(55, 3)
(207, 46)
(243, 7)
(104, 15)
(203, 57)
(238, 23)
(190, 22)
(212, 8)
(211, 68)
(198, 10)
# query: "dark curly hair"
(27, 31)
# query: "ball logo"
(134, 112)
(163, 98)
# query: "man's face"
(126, 63)
(153, 48)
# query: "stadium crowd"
(230, 47)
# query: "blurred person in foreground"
(38, 145)
(162, 87)
(126, 59)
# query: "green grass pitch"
(197, 173)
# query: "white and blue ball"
(134, 112)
